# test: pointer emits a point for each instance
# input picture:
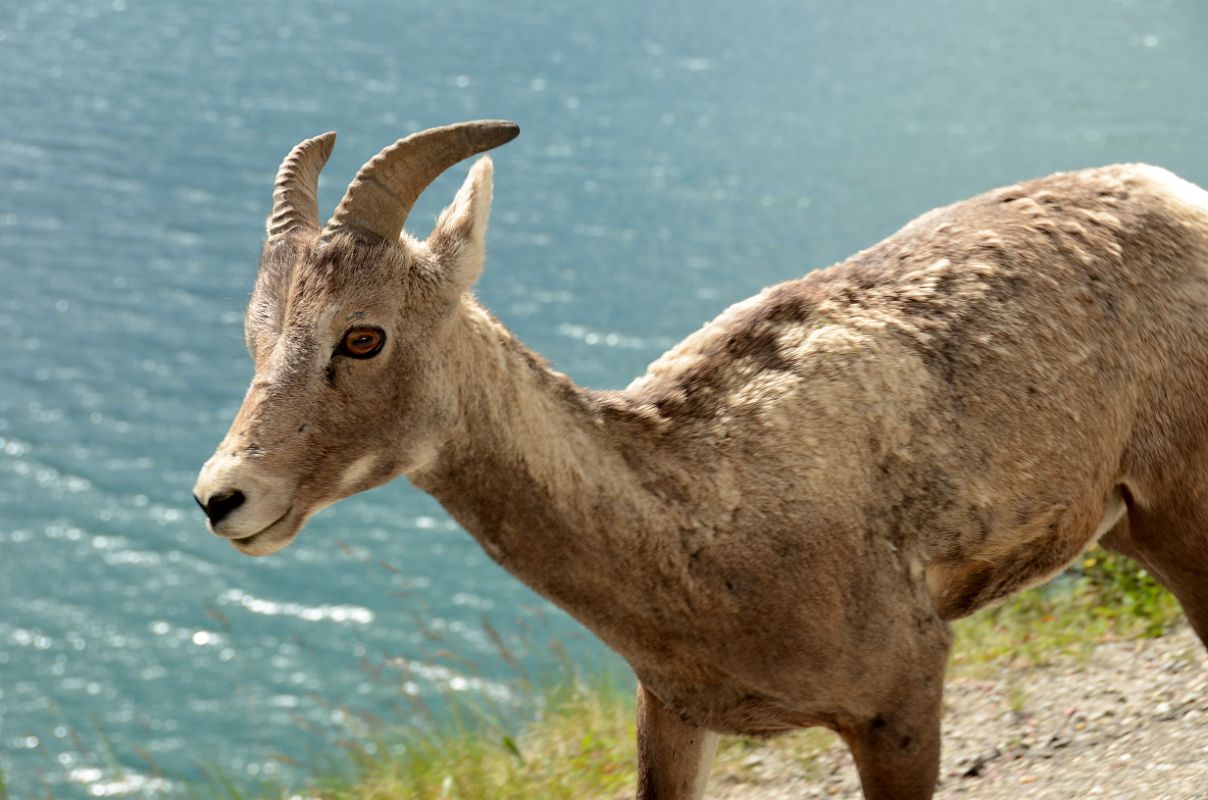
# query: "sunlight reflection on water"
(675, 159)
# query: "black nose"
(221, 504)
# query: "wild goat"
(776, 522)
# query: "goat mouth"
(271, 538)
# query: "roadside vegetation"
(579, 746)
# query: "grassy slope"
(581, 744)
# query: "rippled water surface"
(675, 157)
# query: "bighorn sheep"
(776, 522)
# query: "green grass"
(579, 744)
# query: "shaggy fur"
(775, 523)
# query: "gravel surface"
(1128, 722)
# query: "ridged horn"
(381, 195)
(295, 193)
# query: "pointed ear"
(459, 239)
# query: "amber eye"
(362, 342)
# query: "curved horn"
(381, 195)
(295, 201)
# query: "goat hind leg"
(1172, 544)
(673, 756)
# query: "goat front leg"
(896, 747)
(673, 756)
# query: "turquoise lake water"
(674, 157)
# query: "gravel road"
(1129, 722)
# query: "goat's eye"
(362, 342)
